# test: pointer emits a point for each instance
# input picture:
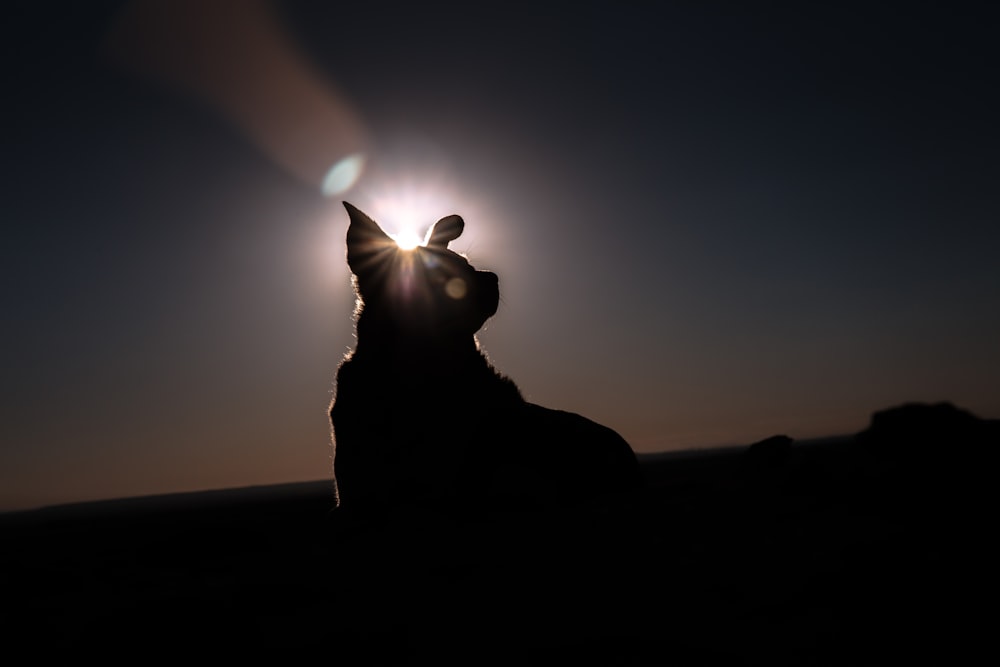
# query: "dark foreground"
(861, 550)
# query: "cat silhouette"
(420, 416)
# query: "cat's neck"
(390, 360)
(419, 351)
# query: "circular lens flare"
(456, 288)
(343, 175)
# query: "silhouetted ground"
(860, 550)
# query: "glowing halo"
(407, 207)
(406, 198)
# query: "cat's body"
(421, 417)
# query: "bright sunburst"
(407, 206)
(408, 239)
(407, 199)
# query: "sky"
(713, 221)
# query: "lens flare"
(240, 58)
(456, 288)
(343, 175)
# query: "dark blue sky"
(712, 222)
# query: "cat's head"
(429, 290)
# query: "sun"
(407, 239)
(407, 200)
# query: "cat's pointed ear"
(367, 244)
(445, 231)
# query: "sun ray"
(407, 239)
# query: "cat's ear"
(445, 231)
(367, 244)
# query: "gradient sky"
(712, 222)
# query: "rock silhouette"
(420, 416)
(914, 431)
